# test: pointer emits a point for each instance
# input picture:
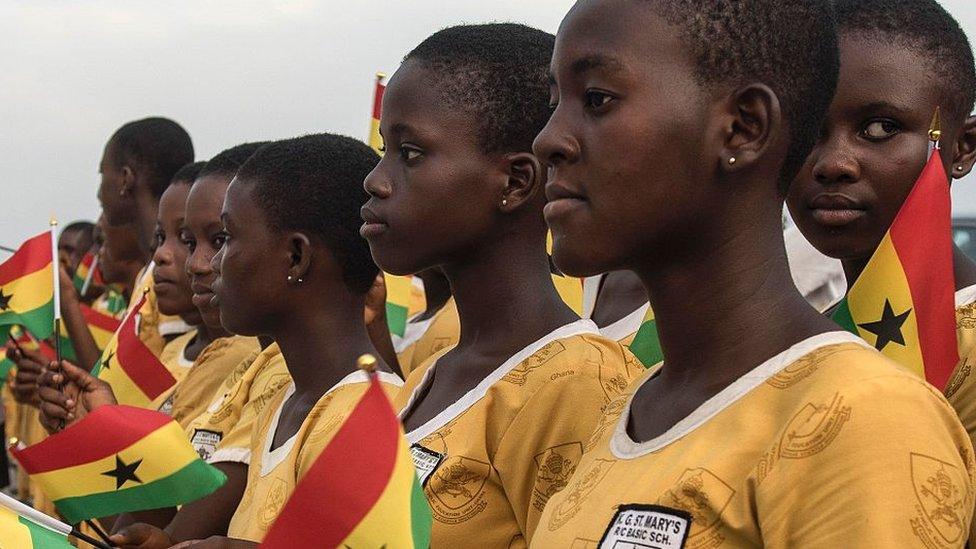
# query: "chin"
(390, 263)
(576, 262)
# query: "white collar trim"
(578, 327)
(966, 295)
(623, 447)
(627, 325)
(273, 458)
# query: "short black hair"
(499, 72)
(189, 173)
(86, 227)
(159, 145)
(227, 162)
(789, 45)
(315, 184)
(927, 28)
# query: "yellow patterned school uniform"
(222, 432)
(273, 474)
(425, 338)
(198, 389)
(827, 444)
(961, 389)
(490, 461)
(173, 356)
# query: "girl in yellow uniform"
(676, 130)
(900, 61)
(497, 422)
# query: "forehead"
(417, 100)
(174, 196)
(873, 70)
(206, 198)
(617, 36)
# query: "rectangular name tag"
(425, 461)
(640, 526)
(205, 442)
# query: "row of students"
(767, 426)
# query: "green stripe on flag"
(42, 538)
(842, 316)
(646, 345)
(190, 483)
(421, 519)
(396, 318)
(39, 321)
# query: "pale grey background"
(228, 70)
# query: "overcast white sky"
(228, 70)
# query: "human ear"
(753, 120)
(525, 180)
(965, 149)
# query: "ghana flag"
(23, 527)
(101, 325)
(362, 490)
(118, 459)
(136, 375)
(903, 302)
(27, 286)
(87, 274)
(646, 346)
(375, 139)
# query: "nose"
(198, 262)
(556, 144)
(162, 255)
(377, 184)
(834, 162)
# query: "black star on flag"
(124, 472)
(108, 359)
(5, 300)
(888, 328)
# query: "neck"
(321, 345)
(437, 290)
(148, 208)
(207, 334)
(505, 295)
(728, 305)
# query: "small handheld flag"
(118, 459)
(903, 302)
(136, 375)
(646, 346)
(23, 527)
(27, 291)
(375, 139)
(362, 490)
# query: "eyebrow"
(884, 106)
(595, 61)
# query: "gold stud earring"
(958, 168)
(289, 278)
(504, 202)
(300, 280)
(731, 160)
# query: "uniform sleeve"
(882, 464)
(540, 449)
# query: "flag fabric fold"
(118, 459)
(362, 490)
(903, 302)
(646, 346)
(135, 373)
(27, 287)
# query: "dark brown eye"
(880, 129)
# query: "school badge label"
(425, 461)
(640, 526)
(205, 442)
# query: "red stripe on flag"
(922, 236)
(378, 100)
(32, 256)
(345, 481)
(106, 431)
(99, 319)
(138, 362)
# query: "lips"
(373, 224)
(202, 294)
(836, 210)
(563, 200)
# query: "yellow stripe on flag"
(884, 279)
(30, 292)
(389, 514)
(13, 533)
(122, 385)
(160, 459)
